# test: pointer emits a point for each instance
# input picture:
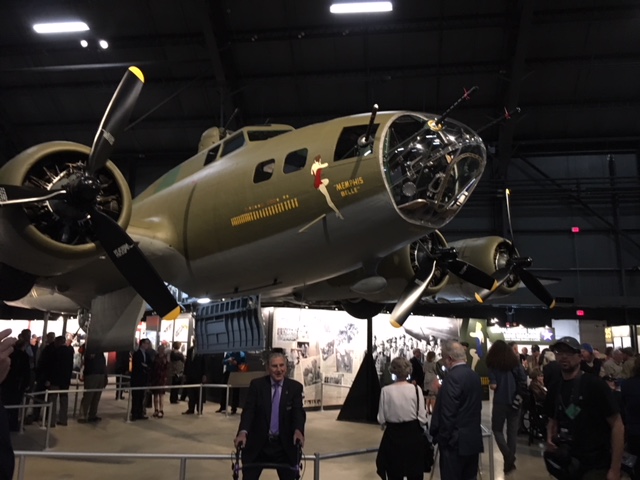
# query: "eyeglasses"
(565, 353)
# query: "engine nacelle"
(398, 269)
(488, 254)
(49, 238)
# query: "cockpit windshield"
(431, 169)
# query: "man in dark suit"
(268, 435)
(60, 379)
(140, 369)
(455, 425)
(417, 372)
(195, 371)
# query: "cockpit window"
(212, 154)
(232, 144)
(347, 145)
(431, 169)
(261, 135)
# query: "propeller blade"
(133, 265)
(500, 276)
(411, 295)
(507, 201)
(535, 286)
(115, 118)
(14, 195)
(471, 274)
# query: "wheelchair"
(534, 421)
(237, 465)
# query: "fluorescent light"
(203, 300)
(103, 44)
(361, 7)
(61, 27)
(84, 43)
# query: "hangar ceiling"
(573, 68)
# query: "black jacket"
(417, 372)
(60, 374)
(456, 419)
(256, 416)
(7, 460)
(140, 368)
(19, 375)
(194, 367)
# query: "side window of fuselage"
(295, 161)
(264, 171)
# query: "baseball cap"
(587, 347)
(570, 342)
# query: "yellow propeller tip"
(137, 72)
(508, 191)
(395, 324)
(173, 314)
(553, 304)
(495, 286)
(479, 298)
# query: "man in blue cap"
(585, 434)
(590, 363)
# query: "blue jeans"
(500, 415)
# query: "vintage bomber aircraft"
(352, 202)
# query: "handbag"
(427, 446)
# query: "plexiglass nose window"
(431, 171)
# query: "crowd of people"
(588, 402)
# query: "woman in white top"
(402, 414)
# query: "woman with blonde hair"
(403, 416)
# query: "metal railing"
(201, 386)
(47, 412)
(316, 458)
(23, 455)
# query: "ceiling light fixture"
(103, 44)
(84, 43)
(203, 300)
(361, 7)
(60, 27)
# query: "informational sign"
(529, 335)
(325, 347)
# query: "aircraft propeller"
(80, 197)
(445, 259)
(517, 266)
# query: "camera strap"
(570, 411)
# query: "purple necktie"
(274, 426)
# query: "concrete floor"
(212, 433)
